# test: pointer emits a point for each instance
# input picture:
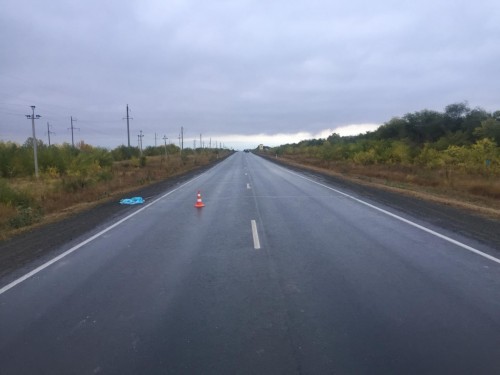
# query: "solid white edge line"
(90, 239)
(430, 231)
(255, 234)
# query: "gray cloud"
(245, 67)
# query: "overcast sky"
(239, 72)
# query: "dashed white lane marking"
(430, 231)
(90, 239)
(255, 234)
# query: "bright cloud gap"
(239, 141)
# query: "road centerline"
(255, 234)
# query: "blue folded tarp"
(134, 200)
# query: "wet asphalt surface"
(335, 287)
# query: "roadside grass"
(478, 191)
(25, 202)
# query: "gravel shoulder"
(23, 252)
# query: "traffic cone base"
(199, 202)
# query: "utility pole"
(182, 138)
(165, 140)
(194, 145)
(49, 132)
(35, 151)
(210, 143)
(72, 128)
(128, 127)
(140, 136)
(155, 140)
(201, 143)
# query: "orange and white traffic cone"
(199, 203)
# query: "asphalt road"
(277, 274)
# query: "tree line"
(459, 138)
(59, 160)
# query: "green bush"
(27, 211)
(26, 216)
(13, 198)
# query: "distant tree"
(473, 120)
(428, 125)
(29, 143)
(394, 129)
(334, 138)
(490, 128)
(457, 110)
(454, 115)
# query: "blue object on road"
(134, 200)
